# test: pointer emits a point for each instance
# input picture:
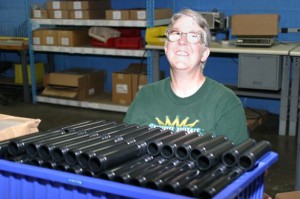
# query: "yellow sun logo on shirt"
(176, 122)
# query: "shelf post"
(30, 51)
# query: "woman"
(188, 100)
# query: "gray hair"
(198, 18)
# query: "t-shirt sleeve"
(233, 124)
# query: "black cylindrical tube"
(201, 148)
(114, 157)
(62, 166)
(126, 176)
(210, 190)
(36, 162)
(89, 125)
(249, 159)
(83, 157)
(75, 169)
(194, 187)
(110, 173)
(159, 180)
(177, 183)
(56, 154)
(168, 150)
(3, 148)
(143, 178)
(230, 158)
(210, 158)
(18, 145)
(49, 164)
(71, 155)
(23, 158)
(182, 152)
(44, 150)
(118, 130)
(32, 146)
(154, 147)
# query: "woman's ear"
(165, 46)
(205, 54)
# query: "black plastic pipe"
(230, 158)
(168, 150)
(249, 159)
(212, 157)
(182, 152)
(205, 146)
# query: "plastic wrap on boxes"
(103, 33)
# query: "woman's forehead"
(186, 23)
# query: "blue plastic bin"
(21, 181)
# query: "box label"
(50, 40)
(57, 14)
(65, 41)
(36, 40)
(91, 91)
(56, 5)
(122, 88)
(78, 15)
(77, 5)
(141, 14)
(37, 14)
(117, 15)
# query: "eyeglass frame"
(201, 36)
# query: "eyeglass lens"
(192, 37)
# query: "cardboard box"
(39, 73)
(12, 127)
(73, 37)
(255, 24)
(49, 37)
(58, 14)
(89, 5)
(45, 37)
(126, 83)
(37, 36)
(86, 14)
(57, 5)
(137, 82)
(84, 5)
(76, 84)
(121, 88)
(288, 195)
(162, 13)
(39, 14)
(117, 15)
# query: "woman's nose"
(183, 38)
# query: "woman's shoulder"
(156, 85)
(218, 88)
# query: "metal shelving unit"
(105, 105)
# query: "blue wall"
(221, 68)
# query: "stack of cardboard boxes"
(61, 37)
(88, 9)
(126, 83)
(137, 14)
(78, 84)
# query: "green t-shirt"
(212, 109)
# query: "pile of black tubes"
(182, 163)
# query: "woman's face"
(181, 54)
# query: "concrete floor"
(280, 178)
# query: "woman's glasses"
(192, 37)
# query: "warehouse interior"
(264, 77)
